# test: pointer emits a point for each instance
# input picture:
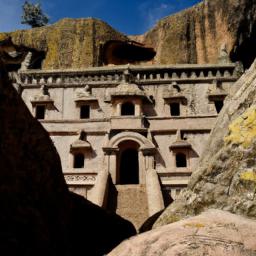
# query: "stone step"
(132, 203)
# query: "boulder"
(212, 233)
(39, 216)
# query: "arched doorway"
(128, 163)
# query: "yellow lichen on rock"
(242, 131)
(69, 43)
(249, 175)
(194, 225)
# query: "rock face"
(69, 43)
(226, 174)
(213, 233)
(196, 35)
(39, 216)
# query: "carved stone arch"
(140, 139)
(145, 153)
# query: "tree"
(33, 15)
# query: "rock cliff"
(226, 175)
(197, 34)
(69, 43)
(39, 216)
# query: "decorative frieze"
(80, 178)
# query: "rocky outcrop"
(226, 174)
(212, 233)
(69, 43)
(39, 216)
(197, 34)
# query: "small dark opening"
(175, 109)
(129, 167)
(127, 109)
(40, 112)
(218, 105)
(181, 160)
(85, 112)
(79, 160)
(37, 60)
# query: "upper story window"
(84, 111)
(127, 109)
(40, 111)
(181, 160)
(79, 160)
(175, 109)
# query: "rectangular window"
(218, 105)
(79, 160)
(84, 112)
(40, 112)
(175, 109)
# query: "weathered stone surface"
(69, 43)
(39, 216)
(225, 177)
(197, 34)
(212, 233)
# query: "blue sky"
(127, 16)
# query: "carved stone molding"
(80, 179)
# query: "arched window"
(181, 160)
(127, 109)
(79, 160)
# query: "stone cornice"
(154, 74)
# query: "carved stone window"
(218, 105)
(127, 109)
(175, 109)
(84, 111)
(78, 160)
(181, 160)
(40, 111)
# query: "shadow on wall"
(124, 52)
(13, 56)
(244, 49)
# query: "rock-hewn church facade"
(139, 127)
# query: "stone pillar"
(118, 109)
(137, 109)
(100, 189)
(154, 192)
(110, 155)
(147, 157)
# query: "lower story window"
(79, 160)
(181, 160)
(40, 112)
(218, 105)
